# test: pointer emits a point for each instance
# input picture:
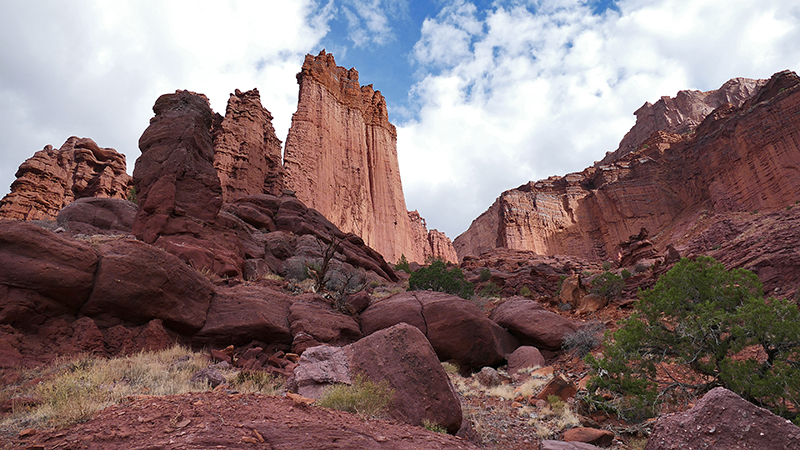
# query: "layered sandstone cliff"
(742, 158)
(341, 159)
(682, 113)
(247, 153)
(53, 178)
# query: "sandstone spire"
(247, 153)
(341, 159)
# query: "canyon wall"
(682, 113)
(341, 159)
(743, 158)
(247, 153)
(53, 178)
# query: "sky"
(486, 96)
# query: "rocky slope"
(738, 159)
(247, 153)
(53, 178)
(341, 159)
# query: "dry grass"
(73, 390)
(362, 397)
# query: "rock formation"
(722, 419)
(247, 153)
(341, 159)
(178, 189)
(52, 178)
(682, 113)
(739, 159)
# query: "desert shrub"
(525, 291)
(490, 290)
(362, 397)
(402, 264)
(296, 267)
(256, 381)
(689, 333)
(585, 339)
(437, 277)
(606, 265)
(132, 197)
(626, 274)
(608, 285)
(485, 275)
(640, 268)
(433, 426)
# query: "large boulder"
(456, 328)
(245, 313)
(723, 420)
(136, 283)
(50, 265)
(97, 215)
(401, 357)
(529, 322)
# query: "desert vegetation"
(701, 326)
(437, 277)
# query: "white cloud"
(368, 20)
(95, 68)
(524, 93)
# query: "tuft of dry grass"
(73, 390)
(363, 397)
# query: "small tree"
(402, 264)
(437, 277)
(688, 335)
(608, 285)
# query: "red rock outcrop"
(52, 178)
(456, 328)
(682, 113)
(738, 159)
(341, 159)
(722, 419)
(247, 153)
(433, 243)
(178, 189)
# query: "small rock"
(489, 377)
(601, 438)
(210, 376)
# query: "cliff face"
(682, 113)
(247, 153)
(341, 159)
(742, 158)
(53, 178)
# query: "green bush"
(608, 285)
(402, 264)
(437, 277)
(626, 274)
(485, 275)
(687, 336)
(362, 397)
(490, 290)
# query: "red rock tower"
(341, 159)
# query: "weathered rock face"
(682, 113)
(341, 159)
(95, 215)
(722, 419)
(247, 153)
(456, 328)
(179, 192)
(738, 159)
(52, 178)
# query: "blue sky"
(485, 95)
